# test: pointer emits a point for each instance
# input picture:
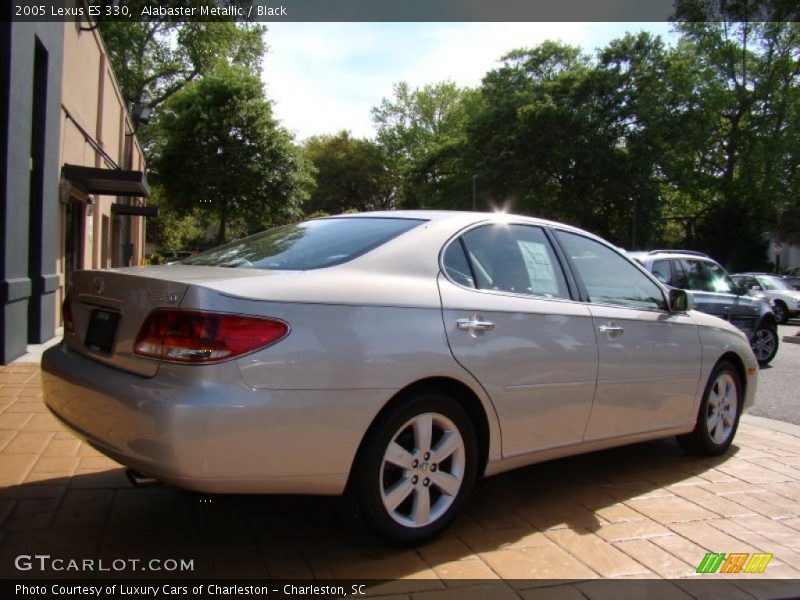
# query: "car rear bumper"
(211, 434)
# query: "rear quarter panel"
(349, 347)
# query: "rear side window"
(507, 258)
(456, 265)
(662, 271)
(306, 245)
(679, 279)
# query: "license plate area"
(102, 331)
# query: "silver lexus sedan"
(391, 356)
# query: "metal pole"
(474, 191)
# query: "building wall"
(58, 98)
(30, 95)
(93, 110)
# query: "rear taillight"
(66, 315)
(197, 337)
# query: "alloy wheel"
(723, 403)
(763, 344)
(422, 470)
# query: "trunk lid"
(109, 307)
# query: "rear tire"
(416, 469)
(718, 416)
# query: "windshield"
(706, 276)
(307, 245)
(773, 283)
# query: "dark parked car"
(715, 292)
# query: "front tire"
(418, 466)
(718, 417)
(765, 344)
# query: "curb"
(772, 424)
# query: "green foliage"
(350, 173)
(170, 231)
(423, 131)
(692, 146)
(156, 58)
(221, 152)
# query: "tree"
(745, 76)
(156, 58)
(221, 151)
(170, 231)
(564, 137)
(351, 173)
(422, 131)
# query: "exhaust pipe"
(140, 479)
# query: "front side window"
(608, 277)
(749, 282)
(507, 258)
(706, 276)
(307, 245)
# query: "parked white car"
(785, 300)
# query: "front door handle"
(474, 325)
(611, 331)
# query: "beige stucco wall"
(91, 97)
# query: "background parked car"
(792, 277)
(784, 298)
(715, 292)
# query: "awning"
(107, 182)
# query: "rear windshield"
(307, 245)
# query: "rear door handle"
(474, 325)
(611, 331)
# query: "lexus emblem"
(99, 284)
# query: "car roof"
(462, 217)
(642, 255)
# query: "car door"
(511, 321)
(714, 292)
(649, 358)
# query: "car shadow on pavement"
(552, 507)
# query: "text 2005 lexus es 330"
(395, 356)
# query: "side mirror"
(679, 301)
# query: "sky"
(325, 77)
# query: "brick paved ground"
(644, 511)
